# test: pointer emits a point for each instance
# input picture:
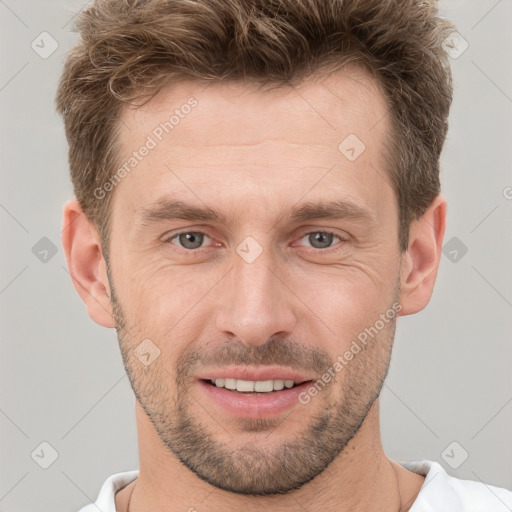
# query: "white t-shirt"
(440, 492)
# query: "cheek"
(344, 302)
(150, 284)
(167, 304)
(348, 294)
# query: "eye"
(195, 240)
(189, 239)
(321, 239)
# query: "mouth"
(243, 398)
(253, 387)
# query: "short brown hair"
(130, 49)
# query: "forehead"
(349, 99)
(237, 137)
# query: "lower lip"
(244, 405)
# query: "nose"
(258, 303)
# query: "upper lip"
(255, 373)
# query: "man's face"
(270, 290)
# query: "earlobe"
(421, 261)
(86, 264)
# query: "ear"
(86, 264)
(421, 260)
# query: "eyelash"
(311, 249)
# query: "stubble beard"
(261, 467)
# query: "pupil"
(191, 240)
(320, 240)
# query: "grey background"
(61, 376)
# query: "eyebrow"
(168, 209)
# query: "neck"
(361, 478)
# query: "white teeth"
(250, 386)
(263, 386)
(279, 384)
(245, 385)
(229, 383)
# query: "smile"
(253, 386)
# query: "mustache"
(276, 351)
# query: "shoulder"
(442, 492)
(106, 497)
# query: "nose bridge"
(256, 283)
(257, 303)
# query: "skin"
(253, 155)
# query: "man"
(257, 201)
